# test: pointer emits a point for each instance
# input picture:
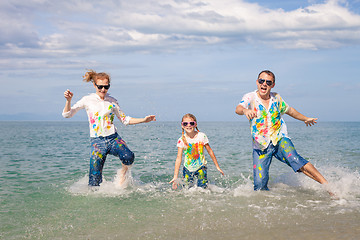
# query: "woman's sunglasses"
(268, 82)
(102, 86)
(187, 123)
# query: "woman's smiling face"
(101, 91)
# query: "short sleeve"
(180, 143)
(246, 100)
(205, 139)
(283, 106)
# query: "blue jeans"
(200, 174)
(100, 148)
(283, 151)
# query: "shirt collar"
(98, 97)
(272, 96)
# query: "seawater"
(44, 192)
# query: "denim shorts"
(200, 174)
(100, 148)
(283, 151)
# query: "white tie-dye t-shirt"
(194, 153)
(268, 126)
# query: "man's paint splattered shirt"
(194, 153)
(100, 113)
(268, 126)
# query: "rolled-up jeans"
(100, 148)
(283, 151)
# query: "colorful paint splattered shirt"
(100, 113)
(194, 153)
(268, 126)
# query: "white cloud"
(70, 28)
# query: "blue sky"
(172, 57)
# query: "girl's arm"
(295, 114)
(177, 168)
(142, 120)
(212, 155)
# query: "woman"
(101, 109)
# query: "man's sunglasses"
(102, 86)
(268, 82)
(187, 123)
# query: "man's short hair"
(267, 72)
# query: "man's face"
(265, 83)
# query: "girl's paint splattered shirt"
(100, 113)
(194, 153)
(268, 126)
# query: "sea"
(44, 193)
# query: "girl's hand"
(310, 121)
(221, 171)
(149, 118)
(68, 95)
(174, 182)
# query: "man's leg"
(261, 166)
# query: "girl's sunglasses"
(102, 86)
(268, 82)
(187, 123)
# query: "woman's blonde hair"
(188, 115)
(92, 76)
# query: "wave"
(344, 182)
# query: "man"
(264, 109)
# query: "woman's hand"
(68, 95)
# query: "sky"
(173, 57)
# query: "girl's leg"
(188, 177)
(201, 175)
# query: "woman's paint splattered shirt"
(268, 126)
(100, 113)
(194, 153)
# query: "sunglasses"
(187, 123)
(268, 82)
(102, 86)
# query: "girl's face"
(188, 124)
(100, 85)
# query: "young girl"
(192, 142)
(101, 109)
